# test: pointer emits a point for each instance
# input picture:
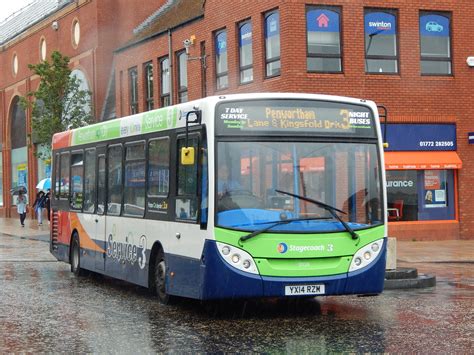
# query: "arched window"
(83, 84)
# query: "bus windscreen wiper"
(274, 224)
(332, 210)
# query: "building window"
(381, 53)
(222, 77)
(148, 70)
(43, 49)
(435, 43)
(323, 39)
(272, 43)
(245, 52)
(15, 64)
(182, 60)
(133, 90)
(19, 149)
(76, 33)
(165, 82)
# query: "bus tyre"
(160, 278)
(76, 256)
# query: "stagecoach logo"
(282, 248)
(128, 251)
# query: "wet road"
(44, 308)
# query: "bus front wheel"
(160, 278)
(76, 256)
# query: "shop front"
(421, 171)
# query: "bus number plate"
(297, 290)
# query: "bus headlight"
(237, 258)
(366, 255)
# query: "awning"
(422, 160)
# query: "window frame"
(396, 57)
(223, 74)
(243, 68)
(148, 75)
(271, 60)
(133, 90)
(449, 59)
(338, 10)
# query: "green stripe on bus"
(151, 121)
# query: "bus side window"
(57, 176)
(114, 185)
(64, 177)
(187, 175)
(77, 180)
(89, 181)
(101, 185)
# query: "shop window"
(415, 195)
(245, 52)
(1, 178)
(222, 75)
(323, 39)
(381, 53)
(435, 43)
(272, 44)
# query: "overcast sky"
(7, 7)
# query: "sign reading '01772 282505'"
(294, 117)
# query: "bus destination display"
(294, 117)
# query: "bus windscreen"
(288, 117)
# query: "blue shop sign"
(322, 21)
(380, 23)
(434, 25)
(420, 137)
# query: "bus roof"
(171, 117)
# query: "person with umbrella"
(21, 207)
(38, 205)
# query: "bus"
(234, 196)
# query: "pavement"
(444, 251)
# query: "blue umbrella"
(44, 184)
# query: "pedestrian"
(21, 207)
(38, 205)
(47, 204)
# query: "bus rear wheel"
(159, 278)
(75, 258)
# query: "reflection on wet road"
(44, 308)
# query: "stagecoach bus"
(235, 196)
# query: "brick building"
(410, 56)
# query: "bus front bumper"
(220, 280)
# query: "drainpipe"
(170, 57)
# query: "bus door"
(100, 211)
